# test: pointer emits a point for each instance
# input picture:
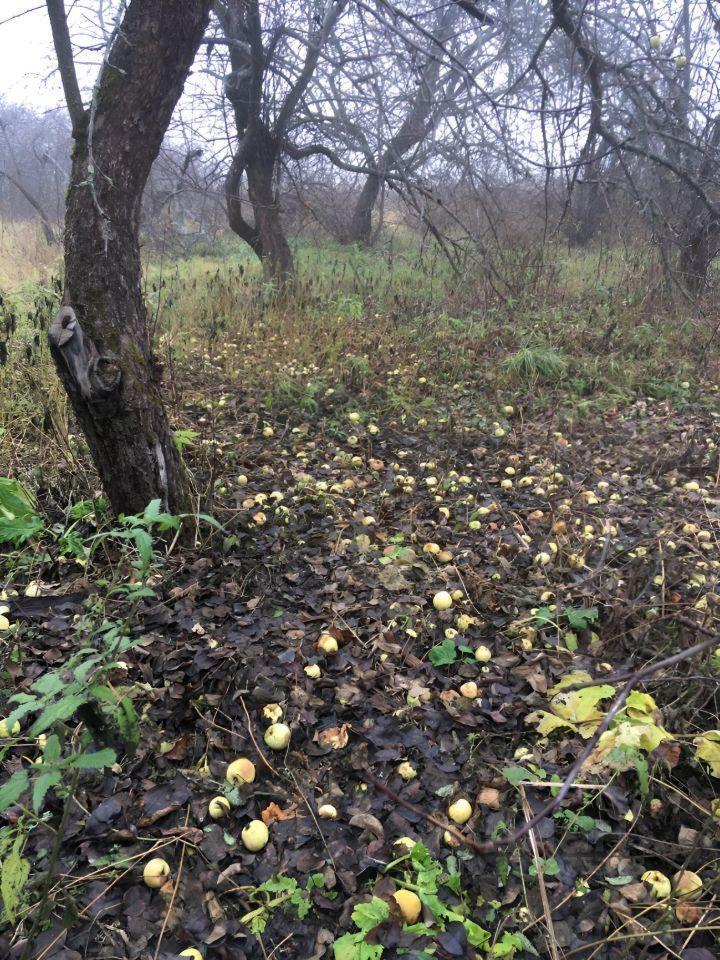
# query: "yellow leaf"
(577, 676)
(548, 722)
(708, 749)
(580, 706)
(631, 736)
(641, 706)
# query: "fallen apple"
(405, 843)
(313, 671)
(483, 654)
(240, 772)
(328, 644)
(407, 771)
(277, 736)
(12, 732)
(660, 886)
(687, 885)
(191, 952)
(218, 808)
(255, 836)
(469, 690)
(327, 812)
(460, 811)
(442, 600)
(156, 872)
(410, 905)
(272, 711)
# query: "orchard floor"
(553, 468)
(587, 551)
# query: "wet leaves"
(340, 549)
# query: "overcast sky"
(27, 72)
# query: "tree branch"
(66, 65)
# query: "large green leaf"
(13, 876)
(13, 789)
(19, 520)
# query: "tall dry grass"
(25, 256)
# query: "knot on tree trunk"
(95, 377)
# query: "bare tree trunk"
(424, 112)
(698, 252)
(275, 251)
(106, 363)
(701, 241)
(260, 144)
(360, 228)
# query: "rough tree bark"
(258, 149)
(701, 235)
(118, 403)
(260, 144)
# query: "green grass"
(390, 329)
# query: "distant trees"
(389, 97)
(487, 123)
(271, 65)
(647, 104)
(116, 398)
(34, 165)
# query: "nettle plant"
(23, 528)
(79, 687)
(439, 889)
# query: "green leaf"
(19, 521)
(128, 725)
(443, 654)
(580, 619)
(14, 874)
(316, 880)
(279, 885)
(206, 518)
(152, 511)
(516, 775)
(61, 710)
(49, 684)
(510, 943)
(184, 438)
(13, 789)
(41, 785)
(476, 935)
(570, 640)
(51, 752)
(94, 761)
(549, 867)
(144, 544)
(352, 946)
(545, 617)
(303, 905)
(368, 915)
(83, 669)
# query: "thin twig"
(492, 846)
(552, 939)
